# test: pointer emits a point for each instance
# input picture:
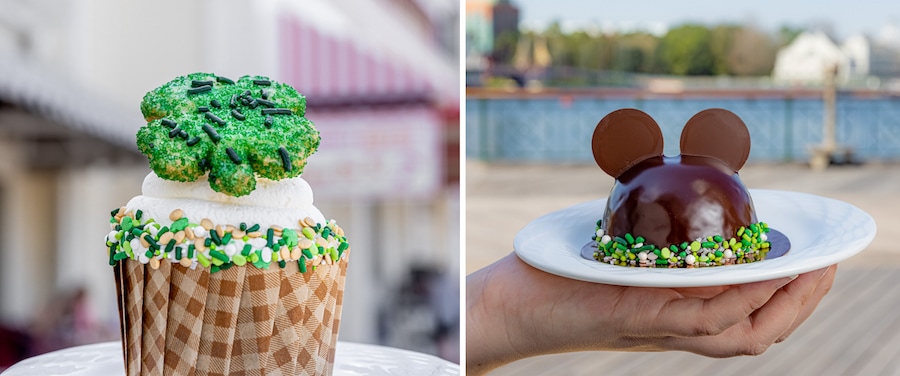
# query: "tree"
(685, 50)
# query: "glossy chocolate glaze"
(670, 200)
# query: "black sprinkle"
(269, 121)
(262, 82)
(225, 80)
(203, 109)
(237, 115)
(245, 101)
(204, 164)
(266, 103)
(247, 94)
(264, 93)
(168, 123)
(233, 155)
(182, 134)
(198, 83)
(211, 132)
(233, 102)
(197, 90)
(215, 103)
(285, 158)
(212, 117)
(193, 141)
(253, 104)
(174, 132)
(151, 145)
(276, 111)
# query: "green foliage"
(686, 50)
(235, 131)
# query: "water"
(560, 130)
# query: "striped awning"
(339, 53)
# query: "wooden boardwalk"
(855, 331)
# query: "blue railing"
(783, 128)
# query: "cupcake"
(686, 211)
(223, 265)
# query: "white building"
(812, 54)
(381, 91)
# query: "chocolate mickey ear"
(719, 134)
(623, 139)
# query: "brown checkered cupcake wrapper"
(239, 321)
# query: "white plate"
(822, 232)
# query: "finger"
(758, 330)
(824, 286)
(693, 317)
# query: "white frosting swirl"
(272, 203)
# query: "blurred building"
(382, 82)
(811, 53)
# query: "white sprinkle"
(152, 230)
(111, 237)
(230, 250)
(652, 256)
(199, 231)
(136, 245)
(727, 253)
(267, 254)
(605, 239)
(257, 243)
(143, 259)
(690, 259)
(638, 245)
(642, 256)
(194, 265)
(763, 237)
(600, 233)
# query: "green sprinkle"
(239, 260)
(718, 253)
(695, 246)
(246, 250)
(254, 257)
(120, 256)
(708, 245)
(211, 132)
(127, 224)
(215, 237)
(282, 264)
(170, 245)
(214, 269)
(629, 238)
(180, 224)
(190, 252)
(345, 245)
(213, 118)
(307, 253)
(226, 238)
(218, 255)
(253, 228)
(208, 242)
(308, 233)
(233, 155)
(178, 253)
(740, 231)
(199, 89)
(717, 239)
(665, 253)
(334, 254)
(285, 158)
(301, 263)
(270, 235)
(276, 111)
(202, 260)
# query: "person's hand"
(515, 311)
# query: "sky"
(845, 17)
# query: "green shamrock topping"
(235, 130)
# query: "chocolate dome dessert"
(690, 210)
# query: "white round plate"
(822, 232)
